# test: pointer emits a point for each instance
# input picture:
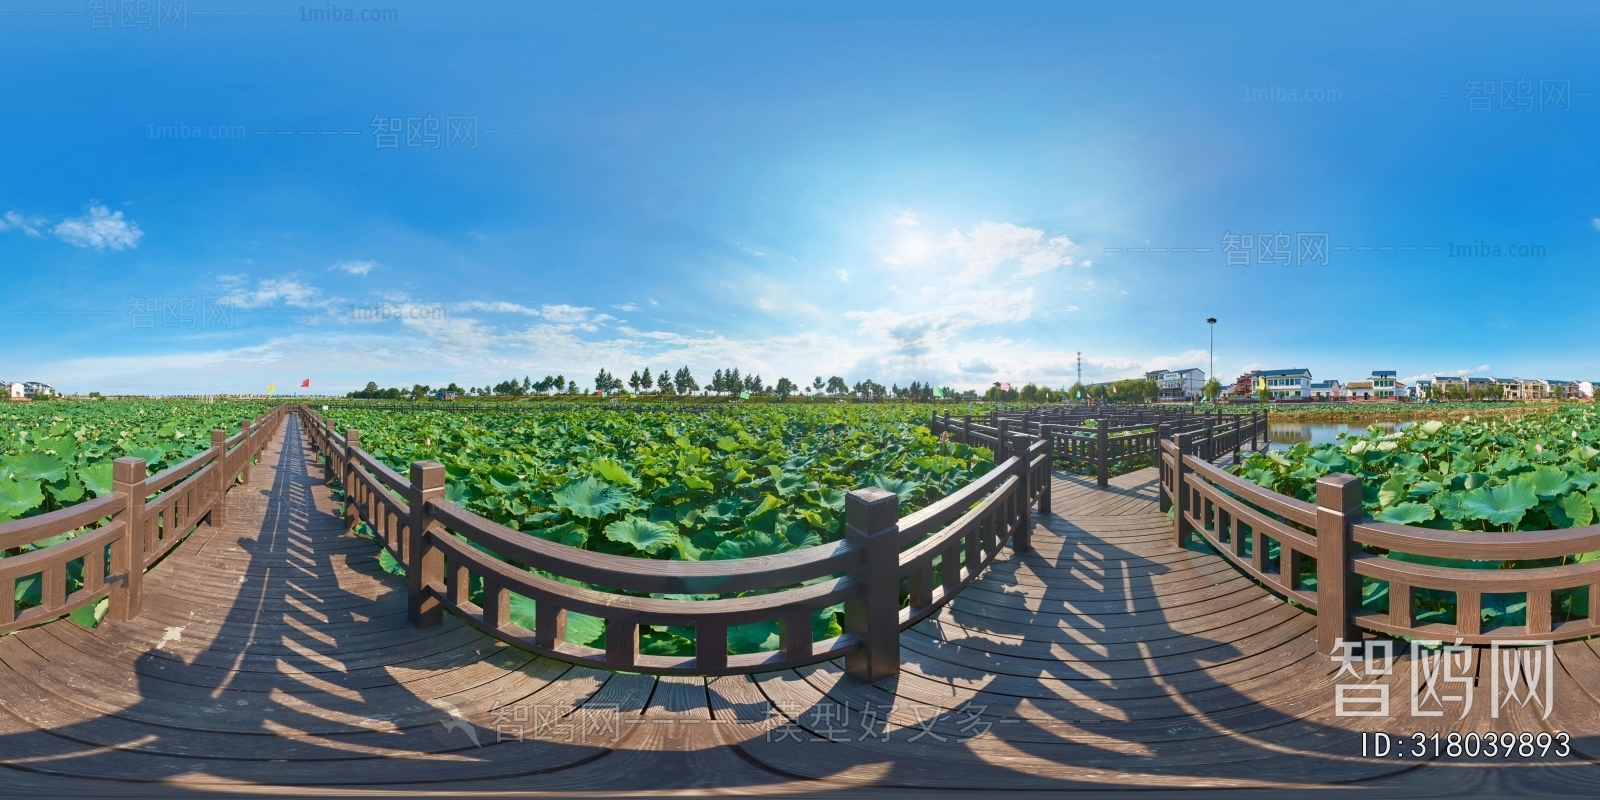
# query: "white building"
(1285, 384)
(1183, 384)
(35, 389)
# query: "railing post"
(966, 429)
(424, 564)
(1181, 492)
(127, 477)
(1049, 433)
(1102, 458)
(1022, 537)
(872, 520)
(1163, 433)
(352, 440)
(1338, 587)
(1002, 430)
(245, 443)
(218, 515)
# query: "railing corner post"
(872, 520)
(1022, 537)
(1180, 489)
(1102, 458)
(424, 563)
(245, 445)
(127, 558)
(218, 515)
(1338, 587)
(1163, 433)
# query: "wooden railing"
(932, 553)
(1325, 540)
(123, 533)
(1108, 441)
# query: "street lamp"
(1211, 373)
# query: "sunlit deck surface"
(275, 653)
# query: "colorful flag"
(939, 392)
(744, 395)
(305, 384)
(1005, 387)
(270, 387)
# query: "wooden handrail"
(132, 527)
(1228, 511)
(439, 542)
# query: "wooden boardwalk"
(275, 653)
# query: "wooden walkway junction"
(273, 652)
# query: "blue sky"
(932, 191)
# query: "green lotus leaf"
(789, 484)
(641, 534)
(387, 561)
(1501, 505)
(1406, 514)
(89, 616)
(1570, 511)
(505, 480)
(1448, 504)
(151, 455)
(97, 478)
(36, 466)
(570, 534)
(590, 498)
(906, 489)
(1392, 491)
(727, 444)
(614, 472)
(17, 499)
(1549, 482)
(750, 545)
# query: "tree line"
(667, 383)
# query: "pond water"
(1285, 434)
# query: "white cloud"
(843, 275)
(495, 307)
(268, 292)
(564, 313)
(1596, 223)
(766, 304)
(753, 252)
(354, 267)
(28, 225)
(100, 228)
(988, 245)
(921, 332)
(1070, 309)
(626, 308)
(907, 220)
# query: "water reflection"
(1286, 434)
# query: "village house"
(1328, 391)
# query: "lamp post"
(1211, 373)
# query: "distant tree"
(1211, 390)
(836, 385)
(684, 381)
(785, 388)
(645, 380)
(633, 381)
(817, 383)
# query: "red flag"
(305, 384)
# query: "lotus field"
(748, 481)
(1539, 472)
